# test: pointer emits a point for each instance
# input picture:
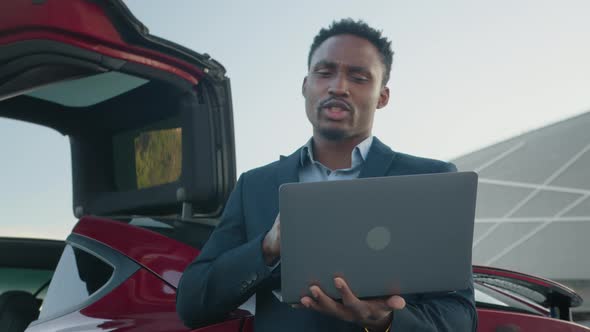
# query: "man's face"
(344, 88)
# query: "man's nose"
(339, 86)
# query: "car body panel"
(164, 256)
(142, 303)
(87, 26)
(117, 53)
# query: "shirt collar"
(359, 153)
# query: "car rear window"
(89, 90)
(79, 274)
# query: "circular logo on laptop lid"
(378, 238)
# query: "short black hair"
(359, 28)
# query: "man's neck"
(335, 154)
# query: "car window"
(29, 280)
(489, 298)
(79, 274)
(486, 298)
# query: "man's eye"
(323, 73)
(360, 78)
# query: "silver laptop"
(384, 236)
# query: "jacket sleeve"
(226, 272)
(437, 313)
(453, 312)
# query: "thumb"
(396, 302)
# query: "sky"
(466, 74)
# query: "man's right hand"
(271, 245)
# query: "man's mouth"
(335, 113)
(336, 109)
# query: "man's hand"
(374, 314)
(271, 245)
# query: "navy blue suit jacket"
(231, 267)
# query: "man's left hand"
(374, 314)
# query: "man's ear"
(383, 97)
(304, 86)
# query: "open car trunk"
(150, 122)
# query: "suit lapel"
(379, 160)
(289, 168)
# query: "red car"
(152, 147)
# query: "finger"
(360, 309)
(396, 302)
(308, 302)
(311, 304)
(349, 299)
(324, 302)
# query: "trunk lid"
(150, 122)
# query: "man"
(349, 65)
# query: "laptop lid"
(384, 236)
